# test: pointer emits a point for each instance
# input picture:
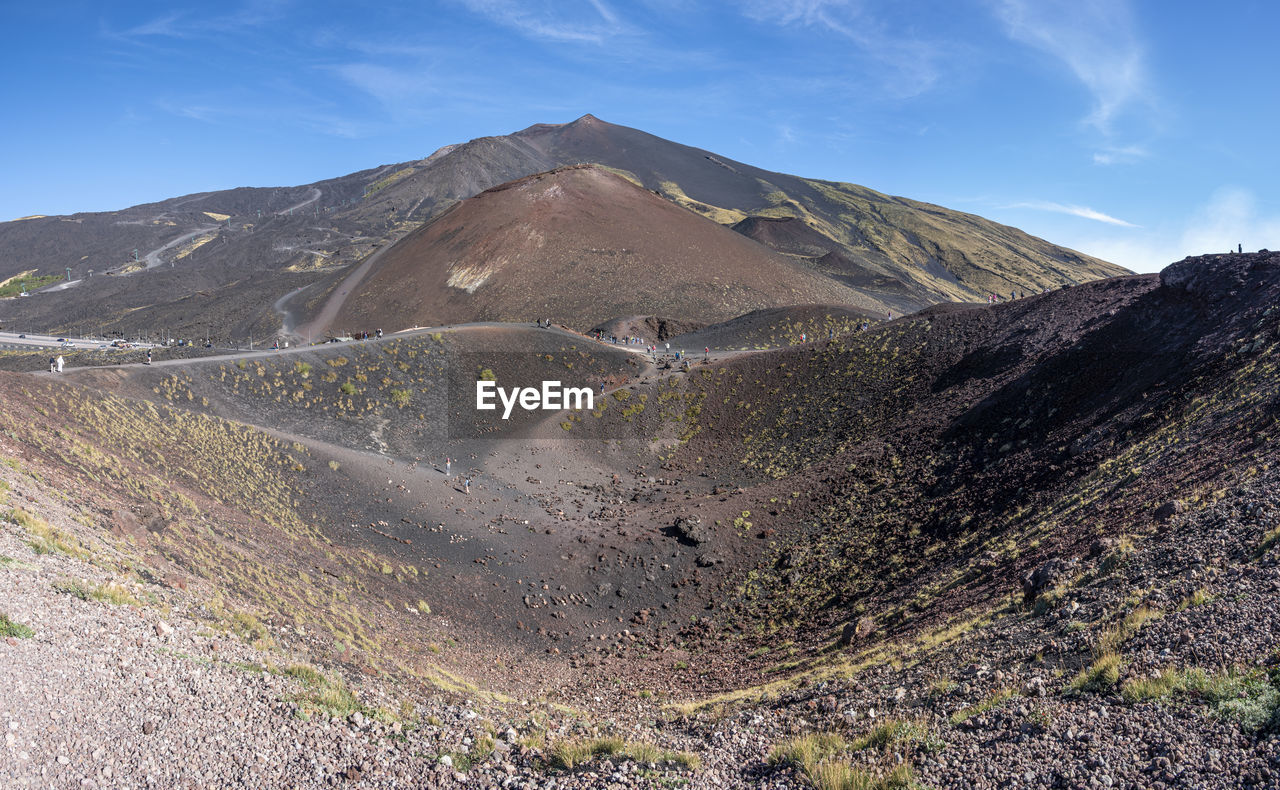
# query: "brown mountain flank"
(264, 261)
(579, 245)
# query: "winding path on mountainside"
(153, 258)
(336, 300)
(313, 197)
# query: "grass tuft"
(567, 755)
(1250, 698)
(44, 539)
(9, 628)
(324, 694)
(997, 697)
(109, 592)
(1100, 676)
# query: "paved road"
(311, 198)
(317, 326)
(152, 258)
(11, 340)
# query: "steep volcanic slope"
(793, 236)
(230, 256)
(921, 468)
(578, 245)
(1039, 539)
(219, 261)
(938, 254)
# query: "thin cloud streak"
(1229, 216)
(911, 63)
(1094, 38)
(1120, 155)
(548, 26)
(1076, 211)
(182, 25)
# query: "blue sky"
(1139, 132)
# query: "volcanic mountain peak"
(237, 258)
(580, 245)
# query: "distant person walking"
(60, 361)
(148, 356)
(53, 364)
(466, 486)
(448, 462)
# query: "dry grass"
(843, 775)
(567, 755)
(1100, 676)
(819, 757)
(993, 701)
(44, 539)
(805, 751)
(1112, 638)
(9, 628)
(324, 694)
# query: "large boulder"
(1170, 509)
(691, 530)
(857, 630)
(1048, 575)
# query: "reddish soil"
(578, 246)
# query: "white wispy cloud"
(592, 23)
(1119, 154)
(184, 25)
(1230, 217)
(1227, 217)
(911, 65)
(390, 85)
(1095, 39)
(1076, 211)
(167, 25)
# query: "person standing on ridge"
(448, 462)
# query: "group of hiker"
(448, 472)
(995, 298)
(625, 340)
